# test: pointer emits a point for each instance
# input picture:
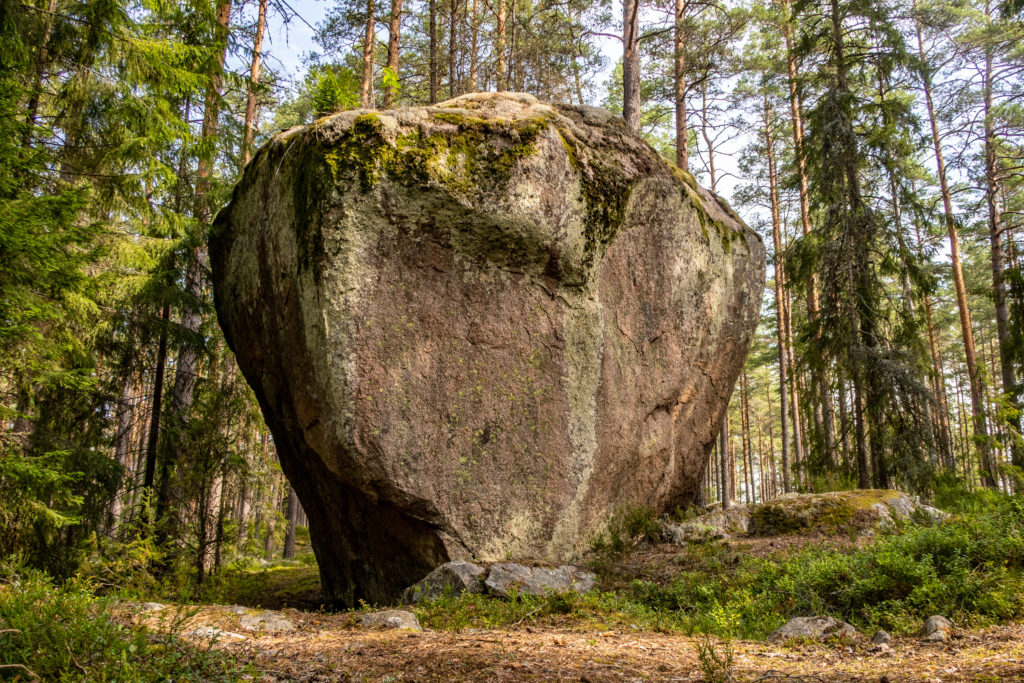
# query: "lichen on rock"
(478, 328)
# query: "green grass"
(66, 633)
(273, 587)
(970, 569)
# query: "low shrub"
(66, 633)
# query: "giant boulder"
(478, 329)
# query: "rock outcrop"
(479, 328)
(813, 628)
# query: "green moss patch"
(269, 588)
(828, 513)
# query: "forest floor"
(654, 600)
(574, 646)
(326, 647)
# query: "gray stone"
(456, 578)
(390, 618)
(151, 607)
(813, 628)
(479, 328)
(709, 527)
(214, 633)
(506, 579)
(881, 638)
(936, 628)
(265, 621)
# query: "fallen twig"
(27, 670)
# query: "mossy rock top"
(835, 512)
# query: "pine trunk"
(366, 98)
(255, 69)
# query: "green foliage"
(970, 568)
(628, 528)
(286, 584)
(332, 89)
(716, 662)
(66, 633)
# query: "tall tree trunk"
(123, 445)
(748, 470)
(858, 308)
(255, 69)
(366, 98)
(794, 388)
(631, 64)
(827, 424)
(708, 140)
(995, 235)
(787, 484)
(679, 85)
(724, 475)
(33, 101)
(293, 518)
(976, 382)
(499, 46)
(942, 423)
(187, 369)
(394, 43)
(453, 47)
(156, 405)
(474, 31)
(432, 10)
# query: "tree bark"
(453, 46)
(41, 57)
(827, 424)
(499, 46)
(780, 325)
(394, 43)
(187, 368)
(474, 29)
(748, 469)
(974, 376)
(366, 98)
(157, 403)
(630, 64)
(679, 86)
(293, 517)
(432, 11)
(995, 235)
(725, 485)
(255, 69)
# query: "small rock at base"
(936, 628)
(390, 618)
(458, 577)
(151, 607)
(507, 578)
(215, 633)
(266, 621)
(881, 638)
(816, 628)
